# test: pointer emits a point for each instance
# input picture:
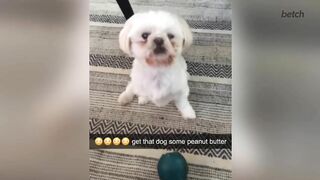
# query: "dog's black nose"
(158, 41)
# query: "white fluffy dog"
(159, 72)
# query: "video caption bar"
(160, 141)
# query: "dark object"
(125, 8)
(172, 166)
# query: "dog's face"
(155, 37)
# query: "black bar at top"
(125, 8)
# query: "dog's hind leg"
(185, 107)
(127, 95)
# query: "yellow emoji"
(98, 141)
(116, 141)
(125, 141)
(107, 141)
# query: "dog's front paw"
(142, 100)
(188, 113)
(125, 98)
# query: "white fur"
(165, 79)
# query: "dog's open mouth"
(162, 59)
(159, 50)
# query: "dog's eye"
(145, 35)
(170, 36)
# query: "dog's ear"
(187, 34)
(124, 40)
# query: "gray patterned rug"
(209, 64)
